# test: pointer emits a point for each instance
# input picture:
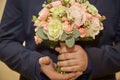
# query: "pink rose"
(56, 3)
(43, 14)
(77, 13)
(79, 5)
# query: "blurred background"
(5, 72)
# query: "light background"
(5, 72)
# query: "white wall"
(6, 73)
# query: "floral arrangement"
(68, 21)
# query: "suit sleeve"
(106, 59)
(16, 56)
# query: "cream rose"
(94, 28)
(55, 30)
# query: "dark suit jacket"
(16, 27)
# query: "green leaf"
(58, 69)
(63, 37)
(40, 32)
(70, 42)
(34, 18)
(102, 18)
(76, 33)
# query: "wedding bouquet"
(68, 21)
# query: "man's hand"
(72, 59)
(48, 68)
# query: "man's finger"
(59, 76)
(44, 61)
(72, 68)
(58, 49)
(66, 56)
(70, 62)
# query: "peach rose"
(43, 14)
(83, 32)
(44, 24)
(67, 27)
